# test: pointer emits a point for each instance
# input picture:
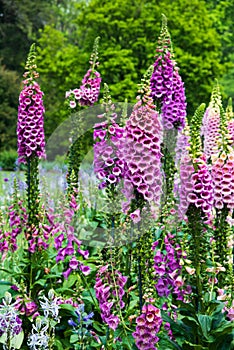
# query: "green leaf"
(226, 328)
(15, 342)
(97, 327)
(190, 321)
(67, 307)
(166, 343)
(58, 344)
(74, 338)
(128, 342)
(70, 281)
(190, 346)
(205, 322)
(3, 290)
(95, 344)
(41, 282)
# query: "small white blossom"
(39, 338)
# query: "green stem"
(88, 289)
(140, 283)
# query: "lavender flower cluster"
(109, 288)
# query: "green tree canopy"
(201, 31)
(9, 95)
(129, 31)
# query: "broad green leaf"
(70, 281)
(15, 342)
(67, 307)
(3, 290)
(205, 322)
(58, 345)
(74, 338)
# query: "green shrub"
(8, 159)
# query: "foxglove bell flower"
(141, 152)
(230, 127)
(210, 131)
(168, 269)
(68, 246)
(139, 149)
(167, 87)
(87, 94)
(30, 125)
(229, 116)
(148, 325)
(222, 175)
(109, 293)
(108, 165)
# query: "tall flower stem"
(196, 249)
(31, 147)
(140, 283)
(32, 181)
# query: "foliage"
(20, 22)
(196, 41)
(60, 66)
(8, 160)
(9, 91)
(141, 255)
(66, 30)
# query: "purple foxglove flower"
(211, 131)
(67, 273)
(88, 92)
(221, 174)
(58, 241)
(148, 324)
(112, 321)
(73, 264)
(144, 161)
(85, 269)
(106, 294)
(30, 125)
(167, 88)
(135, 216)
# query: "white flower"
(39, 339)
(50, 306)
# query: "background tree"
(201, 30)
(9, 95)
(132, 27)
(128, 31)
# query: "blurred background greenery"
(64, 32)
